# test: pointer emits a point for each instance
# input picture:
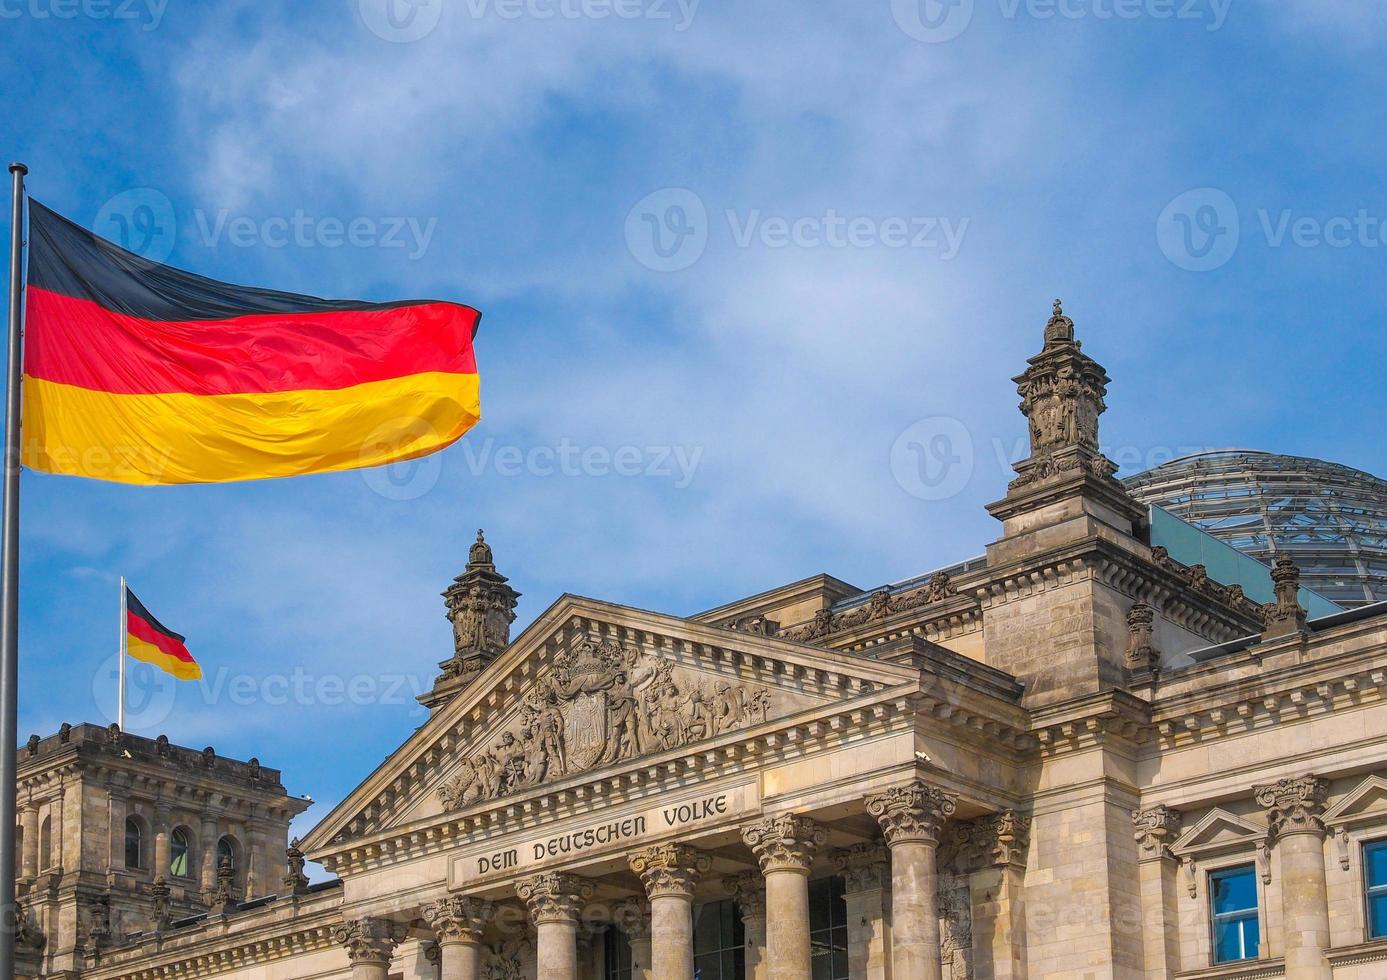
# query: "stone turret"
(481, 607)
(1065, 480)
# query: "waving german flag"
(149, 640)
(143, 373)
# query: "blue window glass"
(1375, 868)
(1233, 894)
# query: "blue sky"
(755, 278)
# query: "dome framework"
(1331, 519)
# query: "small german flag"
(149, 640)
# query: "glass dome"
(1331, 519)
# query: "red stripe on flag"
(80, 343)
(142, 629)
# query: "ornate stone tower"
(1066, 477)
(481, 607)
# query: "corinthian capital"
(1293, 805)
(369, 940)
(748, 890)
(913, 813)
(864, 867)
(633, 916)
(784, 843)
(553, 896)
(998, 839)
(1156, 829)
(459, 919)
(669, 869)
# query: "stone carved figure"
(955, 927)
(881, 605)
(603, 703)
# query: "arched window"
(179, 851)
(46, 844)
(134, 843)
(227, 853)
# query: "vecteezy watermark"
(680, 13)
(937, 21)
(933, 458)
(150, 693)
(1201, 229)
(143, 221)
(568, 459)
(140, 220)
(400, 21)
(668, 230)
(303, 230)
(149, 14)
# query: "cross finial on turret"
(1060, 329)
(1059, 307)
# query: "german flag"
(142, 373)
(149, 640)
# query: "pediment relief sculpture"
(603, 703)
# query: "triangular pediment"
(1367, 801)
(591, 689)
(1219, 830)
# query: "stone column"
(866, 871)
(1294, 807)
(29, 855)
(458, 923)
(258, 881)
(911, 817)
(163, 811)
(207, 848)
(749, 892)
(992, 851)
(669, 873)
(555, 900)
(1155, 830)
(633, 916)
(785, 847)
(370, 944)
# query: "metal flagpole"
(120, 705)
(9, 581)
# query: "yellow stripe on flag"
(184, 438)
(150, 654)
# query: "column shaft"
(29, 856)
(1304, 907)
(785, 847)
(557, 950)
(915, 911)
(459, 961)
(671, 937)
(208, 848)
(866, 869)
(160, 863)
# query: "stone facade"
(1034, 766)
(120, 837)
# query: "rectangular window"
(719, 942)
(1233, 895)
(828, 930)
(1375, 871)
(618, 955)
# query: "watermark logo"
(1199, 230)
(677, 464)
(932, 21)
(667, 230)
(148, 13)
(933, 459)
(140, 220)
(149, 692)
(303, 230)
(407, 479)
(680, 13)
(400, 21)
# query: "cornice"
(218, 946)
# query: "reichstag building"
(1117, 745)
